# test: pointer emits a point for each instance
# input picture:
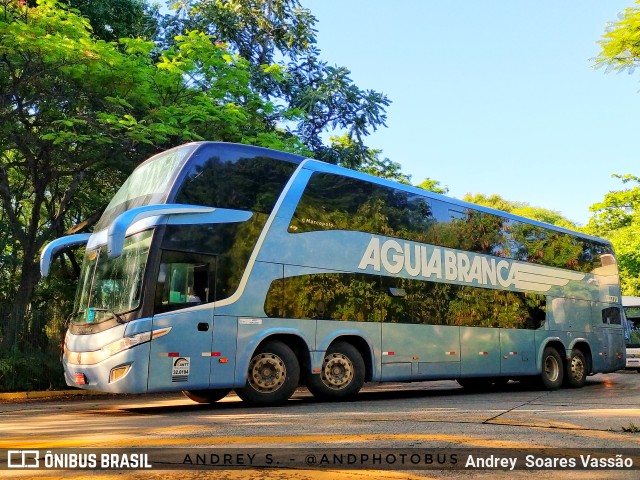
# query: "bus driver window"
(182, 285)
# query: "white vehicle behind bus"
(631, 307)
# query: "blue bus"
(220, 266)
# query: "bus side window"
(182, 284)
(611, 316)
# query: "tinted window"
(332, 202)
(328, 296)
(231, 243)
(361, 297)
(482, 232)
(235, 178)
(184, 280)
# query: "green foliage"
(617, 218)
(324, 97)
(20, 372)
(114, 19)
(618, 209)
(620, 46)
(520, 208)
(349, 153)
(79, 113)
(433, 186)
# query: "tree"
(79, 113)
(619, 47)
(433, 186)
(617, 218)
(114, 19)
(520, 208)
(262, 31)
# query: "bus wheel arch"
(578, 365)
(273, 374)
(342, 374)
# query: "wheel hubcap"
(577, 368)
(267, 372)
(337, 371)
(551, 368)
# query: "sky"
(493, 96)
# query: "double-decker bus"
(220, 266)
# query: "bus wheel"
(273, 376)
(206, 396)
(552, 371)
(576, 374)
(342, 374)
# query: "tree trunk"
(21, 302)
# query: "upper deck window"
(236, 177)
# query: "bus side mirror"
(58, 244)
(176, 214)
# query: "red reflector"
(79, 378)
(216, 354)
(223, 360)
(173, 354)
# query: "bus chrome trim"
(113, 348)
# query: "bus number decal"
(180, 369)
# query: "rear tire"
(576, 370)
(342, 374)
(552, 369)
(273, 375)
(207, 396)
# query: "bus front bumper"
(124, 372)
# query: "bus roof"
(628, 301)
(317, 165)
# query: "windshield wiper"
(71, 315)
(117, 316)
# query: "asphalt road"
(605, 413)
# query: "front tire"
(552, 369)
(576, 374)
(206, 396)
(273, 375)
(342, 374)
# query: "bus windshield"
(148, 184)
(110, 287)
(633, 317)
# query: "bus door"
(181, 359)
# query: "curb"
(47, 394)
